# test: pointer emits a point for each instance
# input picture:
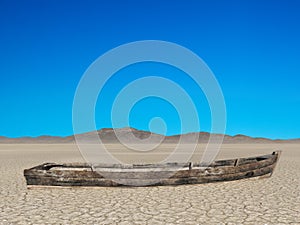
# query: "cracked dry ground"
(265, 201)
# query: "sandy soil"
(274, 200)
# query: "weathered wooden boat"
(80, 174)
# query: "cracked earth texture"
(274, 200)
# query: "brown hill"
(108, 135)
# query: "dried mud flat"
(256, 201)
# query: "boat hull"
(81, 174)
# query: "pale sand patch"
(264, 201)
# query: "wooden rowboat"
(81, 174)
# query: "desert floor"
(274, 200)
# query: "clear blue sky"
(252, 46)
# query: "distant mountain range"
(108, 135)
